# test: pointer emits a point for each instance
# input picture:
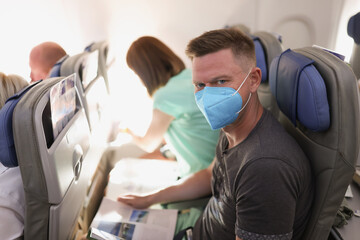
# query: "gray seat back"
(328, 133)
(240, 27)
(92, 87)
(106, 59)
(94, 93)
(51, 166)
(267, 46)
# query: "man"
(42, 58)
(260, 179)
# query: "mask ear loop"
(242, 83)
(245, 104)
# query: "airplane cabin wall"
(75, 24)
(300, 23)
(303, 23)
(24, 24)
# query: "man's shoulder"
(271, 141)
(273, 136)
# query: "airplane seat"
(267, 46)
(95, 97)
(318, 100)
(353, 30)
(55, 71)
(106, 58)
(240, 27)
(51, 157)
(7, 148)
(92, 87)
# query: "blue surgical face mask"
(220, 105)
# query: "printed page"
(140, 176)
(128, 223)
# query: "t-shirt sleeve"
(266, 196)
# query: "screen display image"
(63, 103)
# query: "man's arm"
(195, 186)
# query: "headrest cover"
(353, 28)
(260, 58)
(300, 90)
(89, 47)
(55, 71)
(278, 36)
(7, 147)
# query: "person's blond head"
(9, 85)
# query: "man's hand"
(192, 187)
(134, 201)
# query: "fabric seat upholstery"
(318, 100)
(267, 46)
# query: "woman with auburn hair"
(12, 196)
(176, 116)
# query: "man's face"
(39, 68)
(217, 69)
(37, 72)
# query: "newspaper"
(115, 220)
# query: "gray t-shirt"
(262, 188)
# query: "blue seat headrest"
(7, 147)
(278, 36)
(260, 58)
(55, 71)
(353, 28)
(300, 90)
(88, 48)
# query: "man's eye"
(199, 85)
(221, 82)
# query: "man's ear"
(255, 79)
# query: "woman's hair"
(212, 41)
(9, 85)
(153, 62)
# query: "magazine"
(118, 221)
(140, 176)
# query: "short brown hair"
(212, 41)
(153, 62)
(9, 85)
